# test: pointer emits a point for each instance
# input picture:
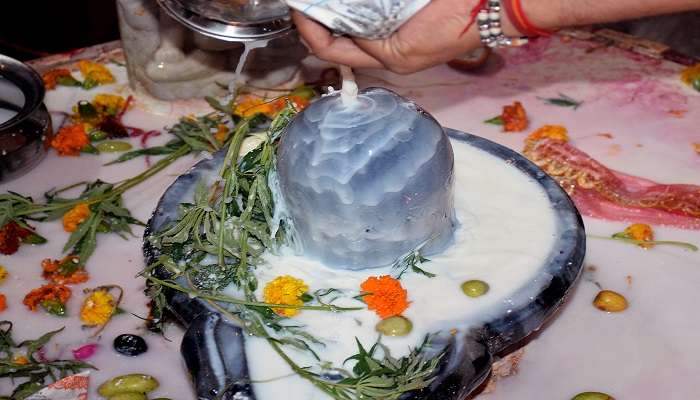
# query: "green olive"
(139, 383)
(96, 136)
(111, 146)
(128, 396)
(475, 288)
(394, 326)
(610, 301)
(592, 396)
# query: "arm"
(433, 35)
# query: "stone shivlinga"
(367, 180)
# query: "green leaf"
(497, 120)
(168, 148)
(89, 83)
(54, 307)
(34, 345)
(26, 389)
(562, 101)
(215, 104)
(34, 238)
(306, 297)
(87, 110)
(68, 80)
(83, 229)
(90, 149)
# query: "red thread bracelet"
(517, 16)
(472, 15)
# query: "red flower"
(11, 236)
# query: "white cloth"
(371, 19)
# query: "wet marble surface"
(636, 117)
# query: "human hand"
(431, 37)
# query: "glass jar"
(170, 61)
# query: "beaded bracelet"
(489, 22)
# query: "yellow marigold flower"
(285, 290)
(689, 74)
(110, 104)
(95, 71)
(20, 359)
(251, 106)
(641, 232)
(97, 308)
(556, 132)
(3, 274)
(75, 216)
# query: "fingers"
(389, 52)
(340, 50)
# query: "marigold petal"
(555, 132)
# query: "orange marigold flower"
(47, 293)
(555, 132)
(514, 118)
(50, 78)
(20, 359)
(251, 106)
(95, 71)
(11, 236)
(70, 140)
(64, 272)
(385, 296)
(221, 133)
(641, 232)
(3, 302)
(298, 102)
(691, 73)
(696, 147)
(75, 216)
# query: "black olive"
(130, 345)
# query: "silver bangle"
(489, 22)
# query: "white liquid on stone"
(507, 231)
(349, 90)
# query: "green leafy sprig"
(197, 133)
(373, 376)
(562, 101)
(412, 260)
(103, 199)
(35, 373)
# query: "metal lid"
(232, 20)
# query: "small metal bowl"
(25, 123)
(232, 21)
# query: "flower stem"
(685, 245)
(234, 300)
